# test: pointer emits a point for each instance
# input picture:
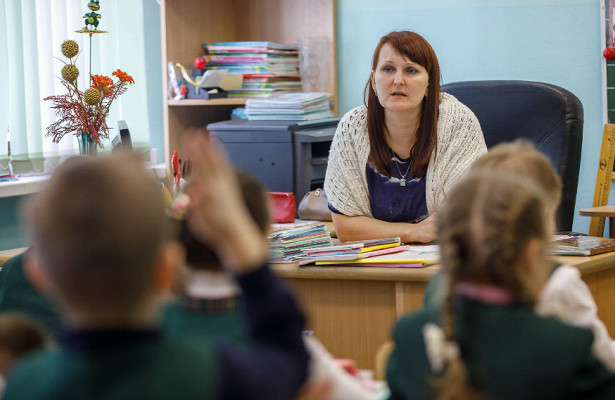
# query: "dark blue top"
(399, 198)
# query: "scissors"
(176, 174)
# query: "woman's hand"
(425, 231)
(364, 228)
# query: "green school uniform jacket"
(148, 368)
(128, 363)
(215, 319)
(18, 295)
(510, 352)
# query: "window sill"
(32, 184)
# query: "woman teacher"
(392, 161)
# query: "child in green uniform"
(486, 341)
(103, 252)
(565, 295)
(210, 302)
(18, 295)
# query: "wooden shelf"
(187, 24)
(212, 102)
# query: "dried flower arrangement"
(84, 112)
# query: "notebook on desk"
(409, 257)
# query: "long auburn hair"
(416, 48)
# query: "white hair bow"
(438, 349)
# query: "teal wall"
(11, 234)
(553, 41)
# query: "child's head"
(493, 232)
(100, 235)
(488, 228)
(18, 336)
(521, 157)
(202, 256)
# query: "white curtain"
(31, 32)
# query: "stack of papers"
(353, 250)
(407, 257)
(267, 67)
(263, 85)
(290, 106)
(288, 245)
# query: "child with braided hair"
(565, 295)
(485, 340)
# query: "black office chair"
(545, 114)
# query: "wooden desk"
(603, 211)
(352, 310)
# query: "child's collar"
(210, 285)
(489, 294)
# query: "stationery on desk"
(407, 258)
(582, 245)
(287, 245)
(352, 251)
(389, 255)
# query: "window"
(31, 32)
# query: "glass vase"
(87, 145)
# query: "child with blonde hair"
(103, 252)
(485, 341)
(565, 295)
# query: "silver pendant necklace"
(402, 181)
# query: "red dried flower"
(101, 82)
(123, 76)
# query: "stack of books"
(290, 106)
(582, 245)
(288, 245)
(353, 250)
(267, 67)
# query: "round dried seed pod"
(70, 72)
(91, 96)
(70, 48)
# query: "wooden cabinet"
(187, 24)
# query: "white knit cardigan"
(460, 142)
